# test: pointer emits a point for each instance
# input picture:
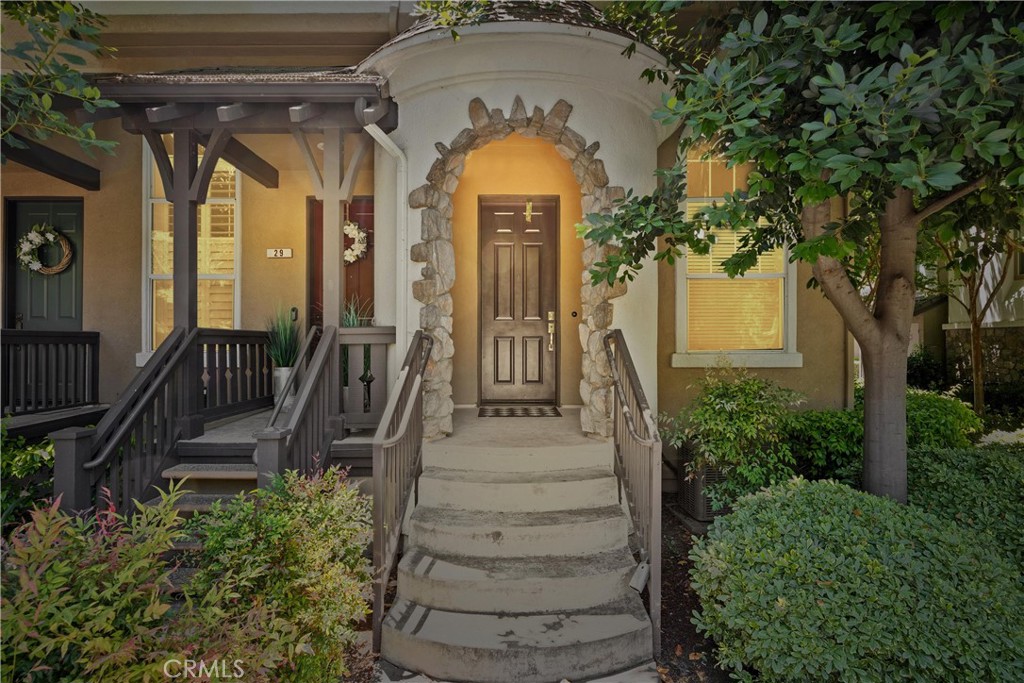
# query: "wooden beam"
(51, 162)
(81, 115)
(239, 110)
(314, 171)
(186, 238)
(161, 158)
(248, 162)
(168, 112)
(212, 153)
(348, 183)
(305, 112)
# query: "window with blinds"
(745, 313)
(217, 222)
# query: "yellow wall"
(515, 165)
(825, 377)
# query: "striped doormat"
(519, 411)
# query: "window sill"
(746, 359)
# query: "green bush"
(298, 546)
(27, 475)
(924, 371)
(734, 424)
(814, 581)
(939, 420)
(981, 489)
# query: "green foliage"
(42, 71)
(27, 475)
(924, 371)
(356, 312)
(826, 99)
(828, 444)
(939, 420)
(734, 424)
(283, 343)
(84, 599)
(813, 581)
(981, 489)
(297, 546)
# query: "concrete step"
(213, 478)
(530, 648)
(513, 585)
(574, 489)
(525, 459)
(517, 534)
(192, 504)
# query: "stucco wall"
(515, 165)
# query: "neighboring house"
(1002, 331)
(470, 161)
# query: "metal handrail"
(397, 461)
(638, 466)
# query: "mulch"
(686, 656)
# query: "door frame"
(556, 199)
(11, 264)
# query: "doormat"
(519, 411)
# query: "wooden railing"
(366, 357)
(304, 443)
(397, 460)
(236, 373)
(638, 466)
(191, 377)
(48, 370)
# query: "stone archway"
(437, 253)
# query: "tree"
(902, 108)
(973, 243)
(45, 82)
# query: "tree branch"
(994, 294)
(940, 204)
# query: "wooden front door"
(45, 302)
(518, 299)
(358, 275)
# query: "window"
(218, 224)
(751, 319)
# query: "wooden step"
(214, 478)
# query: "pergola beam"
(51, 162)
(301, 113)
(237, 111)
(170, 112)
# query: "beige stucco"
(515, 165)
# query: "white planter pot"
(280, 377)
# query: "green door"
(45, 302)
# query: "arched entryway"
(437, 253)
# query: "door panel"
(46, 302)
(518, 299)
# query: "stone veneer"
(437, 254)
(1003, 348)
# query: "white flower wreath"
(358, 237)
(39, 236)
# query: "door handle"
(551, 336)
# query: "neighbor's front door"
(518, 298)
(45, 302)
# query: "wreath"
(359, 244)
(39, 236)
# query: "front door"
(45, 302)
(518, 299)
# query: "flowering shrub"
(814, 581)
(297, 547)
(27, 475)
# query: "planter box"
(692, 494)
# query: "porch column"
(334, 216)
(186, 236)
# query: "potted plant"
(283, 349)
(355, 314)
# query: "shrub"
(814, 581)
(924, 371)
(27, 475)
(939, 420)
(981, 489)
(298, 546)
(734, 423)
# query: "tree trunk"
(885, 418)
(977, 367)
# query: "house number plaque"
(279, 253)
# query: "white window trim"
(786, 357)
(147, 255)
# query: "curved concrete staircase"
(517, 568)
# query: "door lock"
(551, 336)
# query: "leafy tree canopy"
(43, 81)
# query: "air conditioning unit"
(692, 492)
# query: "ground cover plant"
(814, 581)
